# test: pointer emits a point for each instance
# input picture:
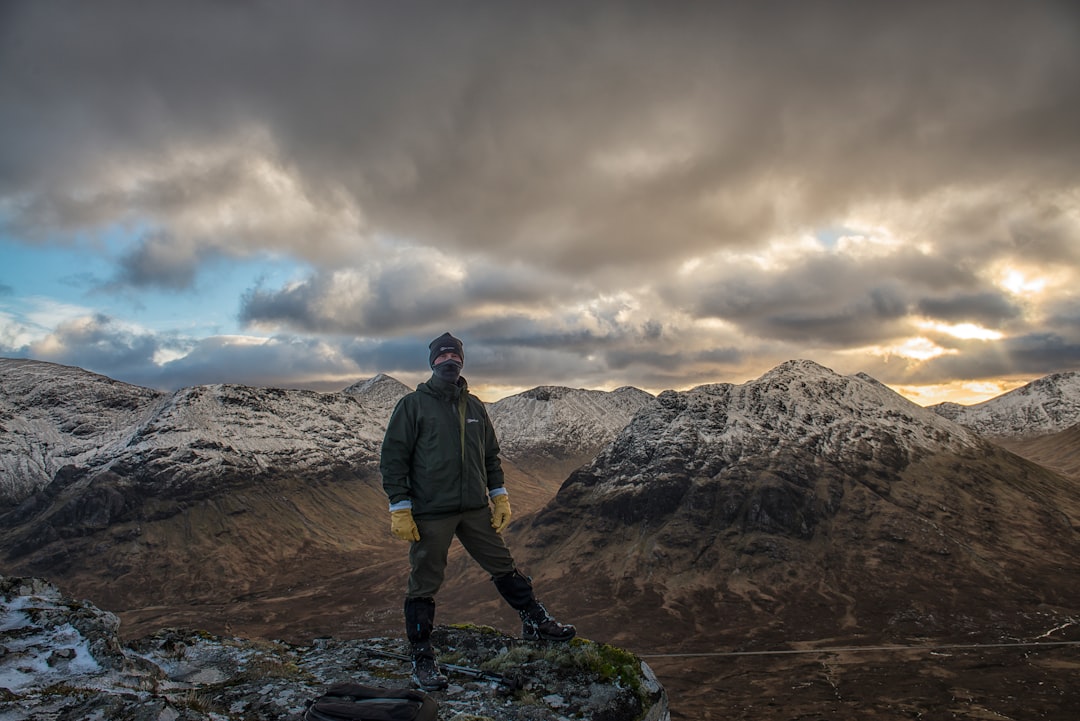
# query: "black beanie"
(445, 343)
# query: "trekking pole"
(476, 673)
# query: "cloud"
(587, 190)
(281, 361)
(529, 132)
(97, 342)
(404, 289)
(988, 308)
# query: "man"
(441, 469)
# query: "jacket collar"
(441, 389)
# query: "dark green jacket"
(422, 459)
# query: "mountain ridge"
(236, 425)
(1050, 404)
(254, 486)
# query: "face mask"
(448, 370)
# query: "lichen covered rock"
(63, 658)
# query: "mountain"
(548, 431)
(53, 416)
(561, 425)
(803, 510)
(204, 494)
(1047, 405)
(804, 504)
(729, 525)
(156, 504)
(59, 417)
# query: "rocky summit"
(63, 659)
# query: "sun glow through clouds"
(963, 331)
(1018, 283)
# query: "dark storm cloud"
(282, 361)
(988, 308)
(99, 344)
(410, 291)
(158, 261)
(532, 130)
(1029, 355)
(1065, 315)
(832, 300)
(513, 169)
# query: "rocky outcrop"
(62, 658)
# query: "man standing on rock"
(441, 470)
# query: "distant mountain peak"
(562, 422)
(1048, 405)
(798, 410)
(377, 384)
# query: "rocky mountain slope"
(59, 417)
(56, 416)
(803, 508)
(547, 432)
(52, 416)
(1057, 451)
(1047, 405)
(64, 659)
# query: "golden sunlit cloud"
(963, 331)
(918, 348)
(1018, 283)
(963, 392)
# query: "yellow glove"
(403, 526)
(500, 514)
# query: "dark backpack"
(354, 702)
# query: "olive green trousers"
(427, 557)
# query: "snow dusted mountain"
(804, 504)
(130, 495)
(798, 408)
(59, 417)
(207, 492)
(800, 509)
(1047, 405)
(563, 425)
(52, 416)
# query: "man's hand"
(500, 514)
(403, 526)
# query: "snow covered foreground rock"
(63, 659)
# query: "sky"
(594, 195)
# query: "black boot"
(419, 622)
(536, 623)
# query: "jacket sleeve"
(492, 462)
(395, 462)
